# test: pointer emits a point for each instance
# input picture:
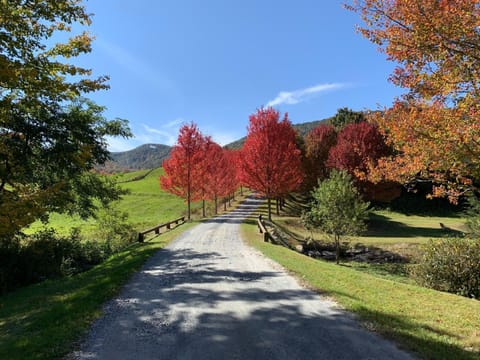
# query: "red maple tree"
(216, 166)
(183, 169)
(358, 149)
(318, 143)
(270, 162)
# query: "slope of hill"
(147, 156)
(302, 129)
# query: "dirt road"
(209, 296)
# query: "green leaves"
(337, 208)
(50, 137)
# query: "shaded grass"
(44, 321)
(434, 324)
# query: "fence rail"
(263, 230)
(141, 235)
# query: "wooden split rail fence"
(263, 230)
(168, 225)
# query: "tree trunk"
(229, 200)
(278, 206)
(224, 204)
(337, 245)
(203, 208)
(241, 190)
(216, 205)
(269, 209)
(188, 193)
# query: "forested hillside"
(147, 156)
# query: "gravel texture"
(209, 296)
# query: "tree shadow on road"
(183, 305)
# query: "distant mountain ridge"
(147, 156)
(303, 129)
(150, 156)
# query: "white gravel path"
(209, 296)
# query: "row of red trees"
(199, 169)
(274, 160)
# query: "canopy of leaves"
(318, 143)
(357, 146)
(434, 128)
(337, 208)
(270, 160)
(184, 166)
(436, 44)
(49, 136)
(345, 116)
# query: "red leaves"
(184, 167)
(318, 143)
(357, 146)
(198, 168)
(270, 160)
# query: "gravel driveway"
(209, 296)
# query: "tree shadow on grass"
(170, 311)
(382, 226)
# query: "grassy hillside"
(147, 205)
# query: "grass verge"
(432, 324)
(44, 321)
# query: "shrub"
(336, 209)
(44, 255)
(114, 230)
(451, 264)
(473, 216)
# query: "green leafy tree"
(50, 136)
(345, 116)
(337, 208)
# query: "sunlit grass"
(146, 205)
(434, 324)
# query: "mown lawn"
(434, 324)
(389, 227)
(146, 205)
(44, 321)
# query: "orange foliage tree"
(270, 162)
(434, 127)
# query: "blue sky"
(215, 62)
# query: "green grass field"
(44, 320)
(433, 324)
(388, 227)
(146, 205)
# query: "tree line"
(274, 160)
